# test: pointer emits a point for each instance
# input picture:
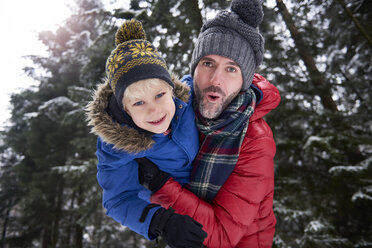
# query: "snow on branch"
(361, 167)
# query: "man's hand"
(149, 175)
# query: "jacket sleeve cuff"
(167, 195)
(147, 222)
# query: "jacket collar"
(270, 97)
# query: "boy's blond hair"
(137, 88)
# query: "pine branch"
(317, 78)
(356, 22)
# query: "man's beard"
(211, 110)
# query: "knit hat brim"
(137, 73)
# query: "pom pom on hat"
(249, 11)
(130, 30)
(133, 59)
(235, 35)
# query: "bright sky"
(20, 22)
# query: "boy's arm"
(120, 194)
(119, 181)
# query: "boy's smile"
(151, 107)
(157, 122)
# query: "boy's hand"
(149, 175)
(177, 230)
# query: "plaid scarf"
(220, 145)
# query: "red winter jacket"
(241, 215)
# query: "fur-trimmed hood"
(123, 137)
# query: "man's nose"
(217, 77)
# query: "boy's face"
(152, 108)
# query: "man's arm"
(236, 205)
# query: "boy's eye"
(139, 103)
(160, 95)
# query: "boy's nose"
(151, 108)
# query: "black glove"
(177, 230)
(150, 176)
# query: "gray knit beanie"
(234, 34)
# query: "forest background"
(318, 54)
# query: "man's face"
(217, 80)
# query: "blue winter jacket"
(118, 145)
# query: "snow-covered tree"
(317, 54)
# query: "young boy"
(143, 111)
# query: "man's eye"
(160, 95)
(139, 103)
(207, 64)
(231, 69)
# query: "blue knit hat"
(234, 34)
(133, 59)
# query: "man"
(232, 181)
